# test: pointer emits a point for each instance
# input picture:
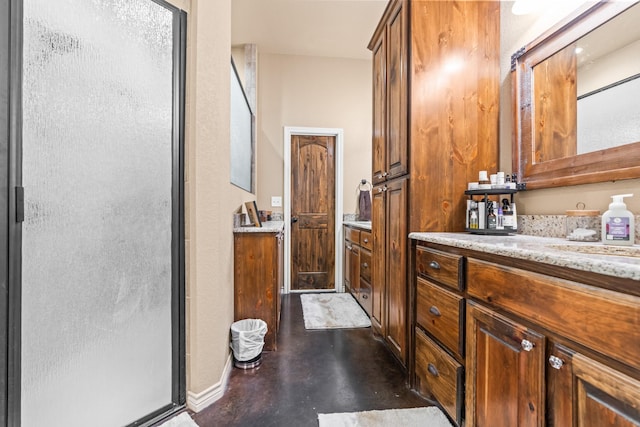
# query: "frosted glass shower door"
(97, 235)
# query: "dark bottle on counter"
(491, 217)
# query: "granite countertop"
(366, 225)
(547, 250)
(267, 227)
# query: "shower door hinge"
(19, 204)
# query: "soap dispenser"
(618, 226)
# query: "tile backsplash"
(554, 226)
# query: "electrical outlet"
(276, 201)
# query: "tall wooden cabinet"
(435, 125)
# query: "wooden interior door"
(312, 212)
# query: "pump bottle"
(618, 227)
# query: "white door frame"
(339, 135)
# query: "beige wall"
(209, 197)
(304, 91)
(517, 31)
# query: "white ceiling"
(332, 28)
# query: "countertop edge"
(534, 248)
(267, 227)
(364, 225)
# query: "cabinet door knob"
(365, 265)
(365, 296)
(432, 370)
(366, 240)
(434, 265)
(349, 248)
(434, 310)
(527, 345)
(555, 362)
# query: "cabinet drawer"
(352, 235)
(603, 320)
(441, 313)
(440, 266)
(365, 265)
(365, 297)
(438, 374)
(365, 240)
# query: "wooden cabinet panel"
(610, 325)
(353, 268)
(605, 397)
(379, 147)
(366, 241)
(443, 267)
(454, 119)
(352, 235)
(559, 387)
(364, 296)
(439, 375)
(258, 280)
(378, 259)
(365, 264)
(396, 292)
(587, 393)
(505, 371)
(441, 313)
(397, 147)
(348, 266)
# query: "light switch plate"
(276, 201)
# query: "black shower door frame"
(12, 210)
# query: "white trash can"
(247, 340)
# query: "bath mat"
(332, 311)
(413, 417)
(182, 420)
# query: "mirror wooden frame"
(611, 164)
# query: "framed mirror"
(576, 93)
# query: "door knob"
(294, 219)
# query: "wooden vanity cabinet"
(543, 346)
(357, 266)
(258, 280)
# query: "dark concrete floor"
(325, 371)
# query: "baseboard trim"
(198, 401)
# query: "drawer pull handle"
(555, 362)
(434, 310)
(434, 265)
(527, 345)
(432, 370)
(365, 265)
(366, 240)
(349, 248)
